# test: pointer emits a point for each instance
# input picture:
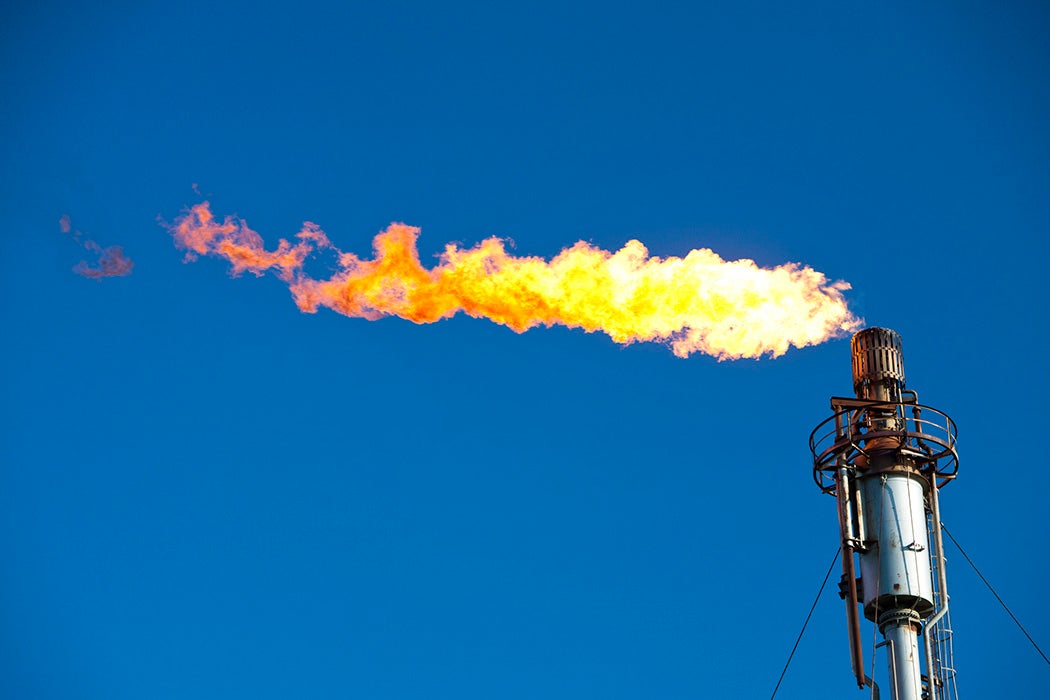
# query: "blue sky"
(206, 493)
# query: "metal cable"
(803, 630)
(1007, 609)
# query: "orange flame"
(699, 303)
(112, 262)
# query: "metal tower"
(884, 457)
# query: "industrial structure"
(884, 457)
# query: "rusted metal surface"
(923, 434)
(878, 359)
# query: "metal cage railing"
(922, 433)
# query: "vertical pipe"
(942, 575)
(927, 650)
(862, 530)
(900, 632)
(845, 491)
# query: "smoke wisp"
(110, 261)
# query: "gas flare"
(697, 303)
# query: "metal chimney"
(884, 456)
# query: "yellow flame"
(698, 303)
